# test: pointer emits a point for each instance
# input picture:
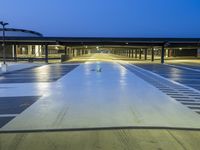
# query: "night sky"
(105, 18)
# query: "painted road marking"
(180, 92)
(48, 73)
(8, 115)
(5, 120)
(10, 107)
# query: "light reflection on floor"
(86, 98)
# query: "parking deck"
(75, 105)
(184, 74)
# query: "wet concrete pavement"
(180, 73)
(85, 98)
(98, 106)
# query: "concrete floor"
(103, 140)
(84, 98)
(19, 66)
(87, 99)
(183, 74)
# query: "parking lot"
(10, 107)
(185, 74)
(115, 100)
(47, 73)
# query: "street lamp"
(4, 66)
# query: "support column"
(15, 52)
(73, 52)
(136, 51)
(170, 53)
(140, 54)
(89, 51)
(145, 54)
(46, 53)
(80, 52)
(29, 50)
(167, 53)
(163, 54)
(152, 54)
(37, 50)
(132, 53)
(69, 51)
(77, 52)
(65, 50)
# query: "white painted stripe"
(196, 110)
(68, 64)
(197, 85)
(8, 115)
(182, 67)
(193, 102)
(197, 106)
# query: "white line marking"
(196, 110)
(188, 103)
(197, 106)
(182, 67)
(177, 83)
(8, 115)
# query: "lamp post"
(4, 66)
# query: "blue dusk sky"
(105, 18)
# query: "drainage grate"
(182, 94)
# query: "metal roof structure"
(90, 41)
(12, 32)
